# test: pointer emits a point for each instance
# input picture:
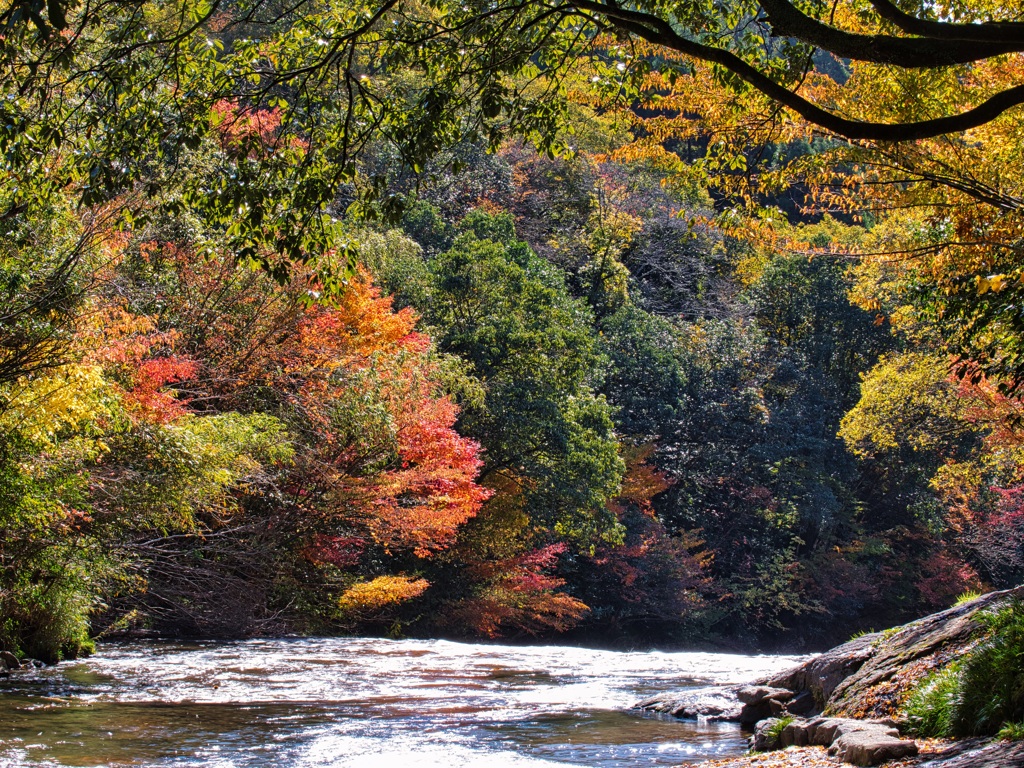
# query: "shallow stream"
(349, 703)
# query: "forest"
(652, 324)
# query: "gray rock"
(802, 704)
(713, 703)
(871, 746)
(765, 736)
(746, 704)
(757, 694)
(978, 753)
(761, 701)
(822, 731)
(9, 661)
(861, 742)
(794, 735)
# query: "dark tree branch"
(907, 52)
(658, 31)
(986, 32)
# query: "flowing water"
(349, 703)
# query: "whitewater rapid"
(354, 702)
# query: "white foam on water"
(362, 702)
(358, 669)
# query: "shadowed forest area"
(643, 325)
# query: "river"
(354, 702)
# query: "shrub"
(367, 599)
(48, 618)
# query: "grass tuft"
(774, 731)
(966, 597)
(929, 710)
(860, 634)
(1012, 732)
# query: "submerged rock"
(745, 704)
(714, 703)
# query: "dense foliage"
(445, 319)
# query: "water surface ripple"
(354, 702)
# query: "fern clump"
(981, 694)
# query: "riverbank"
(933, 753)
(867, 677)
(864, 690)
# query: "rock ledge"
(861, 742)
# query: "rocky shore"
(843, 706)
(969, 753)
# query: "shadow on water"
(145, 734)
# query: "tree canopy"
(506, 317)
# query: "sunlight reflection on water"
(349, 703)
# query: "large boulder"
(9, 661)
(858, 685)
(869, 677)
(821, 675)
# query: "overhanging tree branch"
(984, 32)
(907, 52)
(658, 31)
